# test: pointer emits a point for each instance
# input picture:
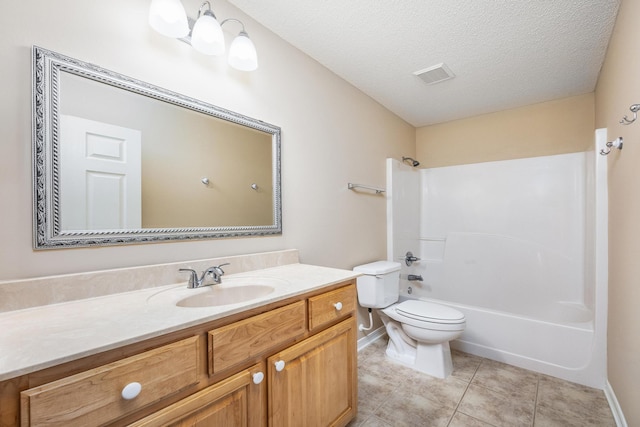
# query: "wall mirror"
(119, 161)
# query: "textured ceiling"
(504, 53)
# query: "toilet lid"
(378, 267)
(431, 312)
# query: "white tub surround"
(43, 336)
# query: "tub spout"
(414, 277)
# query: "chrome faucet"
(216, 272)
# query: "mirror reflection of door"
(101, 179)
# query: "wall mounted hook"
(617, 143)
(634, 109)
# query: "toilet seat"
(426, 315)
(429, 312)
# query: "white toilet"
(419, 331)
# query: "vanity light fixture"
(169, 18)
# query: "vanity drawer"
(330, 306)
(95, 397)
(241, 341)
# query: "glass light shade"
(242, 53)
(206, 36)
(169, 18)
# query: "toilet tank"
(379, 285)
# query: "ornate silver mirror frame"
(48, 233)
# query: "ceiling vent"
(436, 74)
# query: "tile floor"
(479, 393)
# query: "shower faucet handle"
(410, 259)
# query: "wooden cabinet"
(314, 383)
(237, 401)
(290, 363)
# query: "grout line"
(535, 404)
(463, 394)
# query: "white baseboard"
(371, 337)
(618, 416)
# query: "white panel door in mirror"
(101, 179)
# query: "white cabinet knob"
(279, 365)
(338, 306)
(131, 391)
(258, 377)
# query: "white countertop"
(41, 337)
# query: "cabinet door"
(238, 401)
(314, 383)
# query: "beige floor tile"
(387, 369)
(506, 379)
(447, 391)
(549, 417)
(403, 409)
(574, 400)
(374, 348)
(374, 421)
(496, 408)
(464, 365)
(373, 390)
(364, 420)
(487, 394)
(461, 420)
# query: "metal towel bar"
(351, 186)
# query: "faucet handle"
(216, 272)
(217, 267)
(193, 278)
(410, 259)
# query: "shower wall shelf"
(351, 186)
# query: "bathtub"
(560, 348)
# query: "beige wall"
(618, 88)
(555, 127)
(332, 134)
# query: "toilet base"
(431, 359)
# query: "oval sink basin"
(232, 290)
(212, 296)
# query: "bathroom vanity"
(286, 358)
